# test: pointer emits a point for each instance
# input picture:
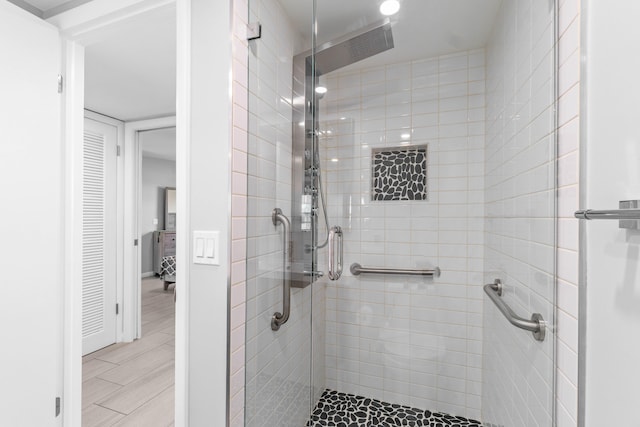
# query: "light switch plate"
(206, 247)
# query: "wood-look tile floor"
(132, 384)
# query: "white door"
(99, 236)
(610, 284)
(31, 220)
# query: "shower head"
(354, 47)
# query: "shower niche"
(399, 173)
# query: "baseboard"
(148, 274)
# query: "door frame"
(75, 24)
(132, 153)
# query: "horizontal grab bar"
(536, 325)
(608, 214)
(357, 269)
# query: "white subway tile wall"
(409, 341)
(519, 223)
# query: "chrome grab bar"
(608, 214)
(279, 319)
(357, 269)
(628, 214)
(335, 272)
(536, 325)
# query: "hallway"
(132, 384)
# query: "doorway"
(200, 370)
(130, 78)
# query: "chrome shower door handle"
(335, 268)
(278, 319)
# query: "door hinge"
(135, 242)
(117, 150)
(60, 81)
(58, 401)
(254, 31)
(117, 309)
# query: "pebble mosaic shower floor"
(337, 409)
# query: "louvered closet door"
(99, 236)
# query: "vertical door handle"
(278, 319)
(335, 267)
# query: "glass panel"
(278, 362)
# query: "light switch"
(210, 246)
(155, 221)
(205, 247)
(199, 248)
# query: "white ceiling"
(421, 29)
(159, 143)
(130, 67)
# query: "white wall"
(203, 176)
(157, 174)
(518, 371)
(611, 256)
(404, 340)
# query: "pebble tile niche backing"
(348, 410)
(399, 173)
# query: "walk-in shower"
(401, 214)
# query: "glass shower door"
(426, 133)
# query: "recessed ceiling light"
(389, 7)
(321, 90)
(405, 136)
(334, 160)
